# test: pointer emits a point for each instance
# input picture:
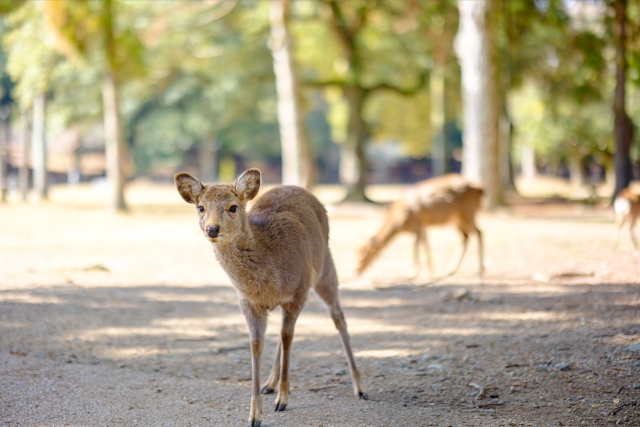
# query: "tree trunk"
(298, 167)
(507, 181)
(74, 173)
(623, 126)
(528, 165)
(354, 174)
(115, 146)
(4, 126)
(208, 159)
(576, 171)
(476, 47)
(23, 171)
(39, 147)
(439, 148)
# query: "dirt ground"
(128, 320)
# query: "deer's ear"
(188, 186)
(248, 183)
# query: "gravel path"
(128, 320)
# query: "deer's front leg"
(290, 314)
(274, 377)
(256, 318)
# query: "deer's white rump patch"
(622, 206)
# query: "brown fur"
(448, 199)
(627, 213)
(274, 254)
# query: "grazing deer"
(273, 254)
(448, 199)
(627, 208)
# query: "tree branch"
(340, 26)
(324, 83)
(361, 20)
(422, 80)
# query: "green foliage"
(220, 86)
(192, 71)
(391, 46)
(561, 75)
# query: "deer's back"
(293, 225)
(446, 199)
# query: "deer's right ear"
(188, 186)
(248, 183)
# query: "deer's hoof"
(363, 396)
(255, 423)
(280, 407)
(266, 390)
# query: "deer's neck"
(241, 257)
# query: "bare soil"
(128, 320)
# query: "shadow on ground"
(558, 350)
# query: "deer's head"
(366, 254)
(221, 208)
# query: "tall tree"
(39, 147)
(115, 146)
(443, 30)
(85, 32)
(623, 126)
(476, 48)
(348, 21)
(297, 162)
(23, 170)
(6, 7)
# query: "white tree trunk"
(114, 144)
(115, 147)
(208, 160)
(576, 172)
(297, 164)
(4, 125)
(528, 167)
(475, 45)
(39, 147)
(23, 171)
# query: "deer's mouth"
(214, 239)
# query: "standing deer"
(448, 199)
(274, 254)
(627, 208)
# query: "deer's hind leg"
(427, 249)
(327, 290)
(632, 227)
(621, 221)
(480, 251)
(465, 241)
(421, 238)
(290, 313)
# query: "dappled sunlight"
(159, 303)
(135, 352)
(189, 322)
(168, 296)
(536, 315)
(377, 302)
(31, 298)
(165, 329)
(383, 354)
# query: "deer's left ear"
(188, 186)
(248, 183)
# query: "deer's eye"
(200, 209)
(233, 208)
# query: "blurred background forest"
(354, 92)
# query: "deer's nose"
(213, 231)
